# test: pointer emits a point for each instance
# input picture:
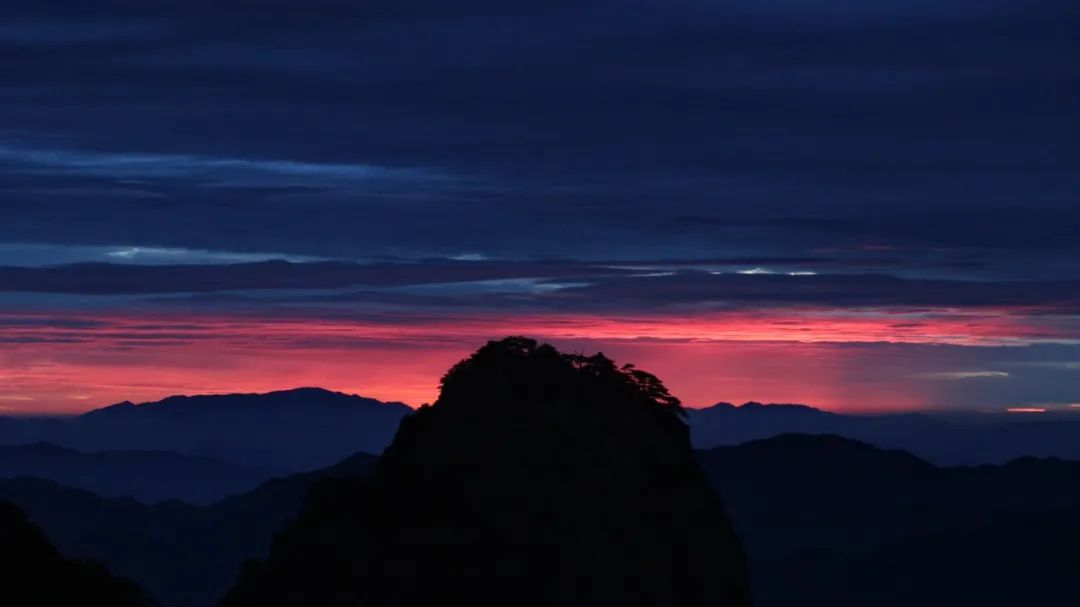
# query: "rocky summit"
(537, 478)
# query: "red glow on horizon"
(1026, 410)
(809, 356)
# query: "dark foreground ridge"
(35, 573)
(537, 478)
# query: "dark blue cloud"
(594, 130)
(557, 286)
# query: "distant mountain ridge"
(148, 476)
(309, 428)
(280, 400)
(291, 430)
(955, 439)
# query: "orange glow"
(1026, 410)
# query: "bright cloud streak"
(958, 375)
(226, 169)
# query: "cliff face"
(537, 478)
(35, 573)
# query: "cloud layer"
(893, 177)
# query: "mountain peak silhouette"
(288, 430)
(306, 397)
(537, 478)
(754, 406)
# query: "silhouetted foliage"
(537, 478)
(521, 368)
(33, 572)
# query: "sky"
(857, 206)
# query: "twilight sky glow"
(855, 207)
